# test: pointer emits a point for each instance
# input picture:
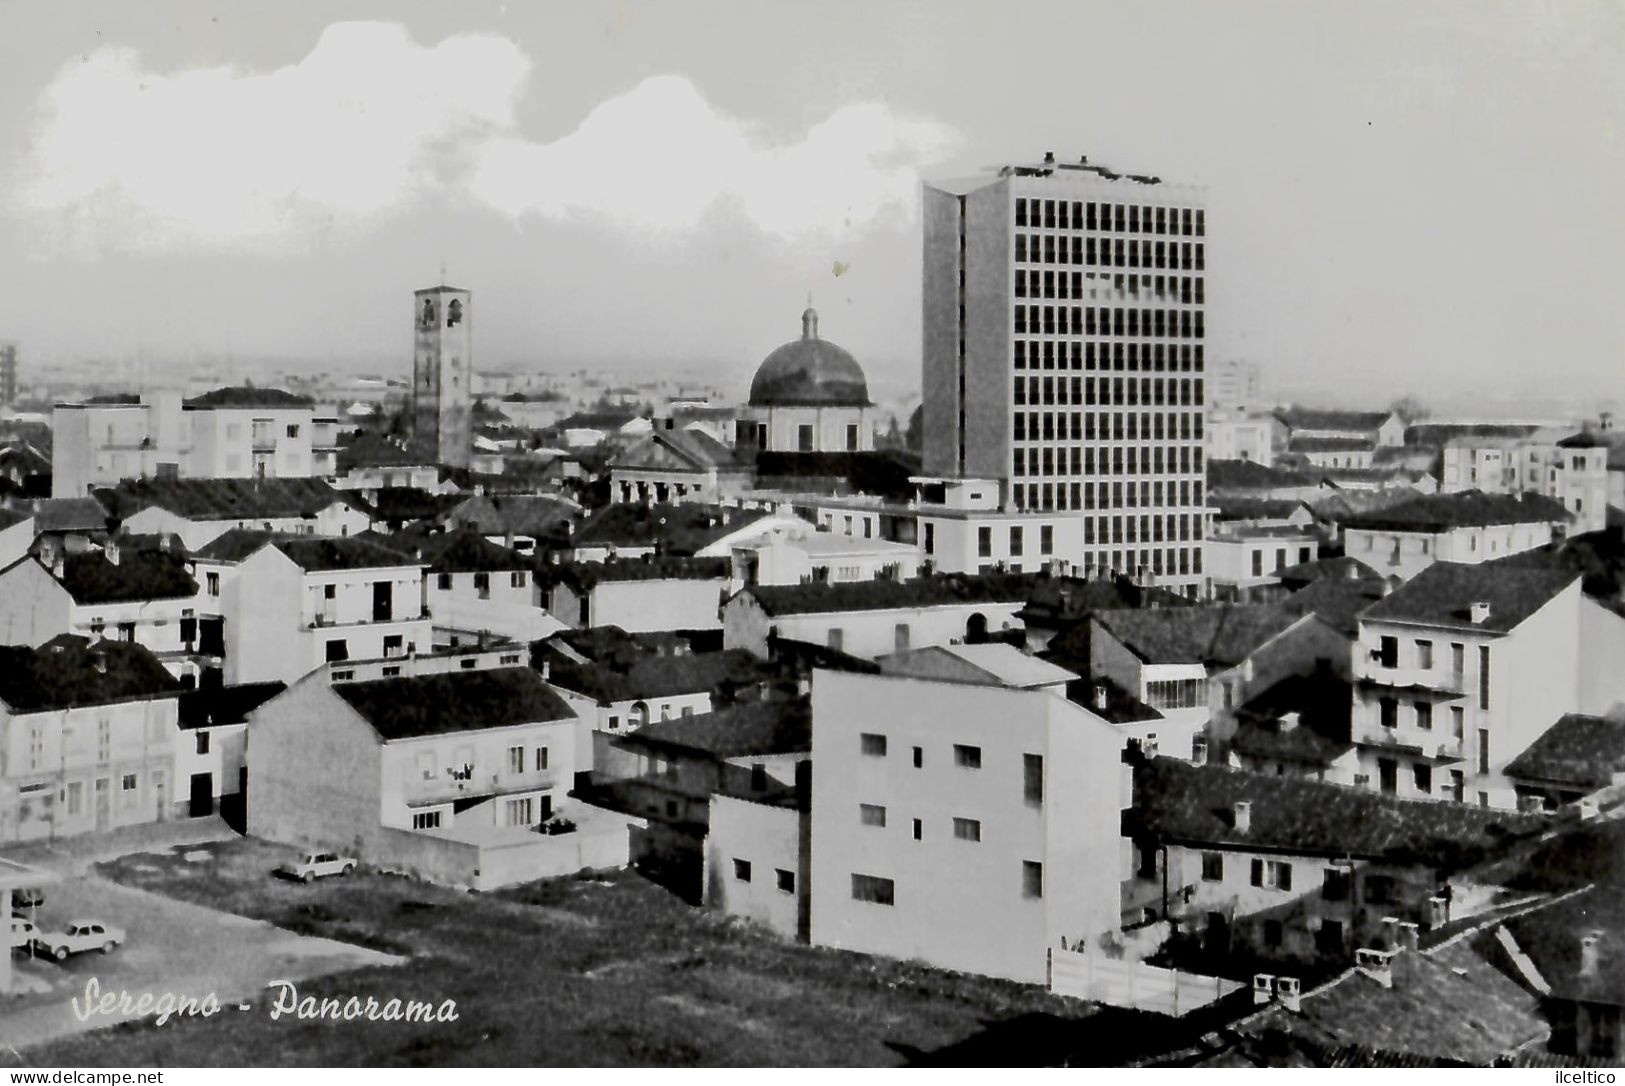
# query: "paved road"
(174, 947)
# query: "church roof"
(809, 372)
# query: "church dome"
(809, 372)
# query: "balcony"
(1418, 743)
(444, 788)
(1431, 683)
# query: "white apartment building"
(1064, 331)
(1566, 466)
(969, 826)
(229, 433)
(1461, 669)
(1471, 527)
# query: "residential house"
(672, 465)
(868, 619)
(1401, 1006)
(647, 595)
(1059, 604)
(1243, 865)
(211, 751)
(969, 826)
(1463, 667)
(1334, 452)
(202, 510)
(87, 738)
(1379, 428)
(687, 530)
(246, 432)
(1470, 526)
(823, 557)
(289, 604)
(1240, 434)
(618, 682)
(1302, 726)
(669, 773)
(1573, 956)
(1196, 665)
(1559, 463)
(991, 662)
(526, 523)
(1577, 757)
(370, 461)
(118, 592)
(446, 775)
(473, 585)
(1246, 563)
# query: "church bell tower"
(442, 370)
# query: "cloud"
(371, 124)
(660, 157)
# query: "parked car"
(318, 865)
(78, 936)
(27, 897)
(23, 933)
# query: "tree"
(1409, 409)
(915, 437)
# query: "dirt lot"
(611, 971)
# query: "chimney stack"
(1376, 964)
(1263, 988)
(110, 551)
(1100, 696)
(1409, 936)
(1390, 933)
(1243, 813)
(1289, 990)
(1288, 721)
(1478, 612)
(1590, 952)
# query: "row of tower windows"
(1168, 255)
(1114, 528)
(1080, 320)
(1158, 357)
(1105, 426)
(1133, 460)
(1109, 391)
(1086, 286)
(1118, 218)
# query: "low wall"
(602, 842)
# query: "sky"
(1403, 197)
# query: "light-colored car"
(318, 865)
(23, 933)
(77, 937)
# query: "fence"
(1125, 983)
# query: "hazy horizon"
(1419, 195)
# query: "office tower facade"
(1064, 323)
(8, 374)
(442, 371)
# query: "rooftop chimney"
(1049, 158)
(1242, 811)
(1100, 695)
(1409, 936)
(1289, 990)
(547, 670)
(1590, 944)
(1287, 721)
(1390, 933)
(1478, 611)
(1263, 989)
(110, 551)
(1376, 964)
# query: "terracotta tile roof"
(938, 591)
(210, 707)
(458, 552)
(227, 499)
(1221, 633)
(1325, 707)
(1340, 567)
(754, 728)
(1552, 937)
(1194, 805)
(67, 515)
(1339, 603)
(314, 553)
(1308, 418)
(535, 515)
(90, 578)
(1063, 601)
(1230, 508)
(69, 671)
(630, 678)
(1584, 751)
(1248, 475)
(584, 576)
(374, 450)
(248, 396)
(453, 701)
(1442, 594)
(1448, 1004)
(681, 529)
(1332, 444)
(1463, 509)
